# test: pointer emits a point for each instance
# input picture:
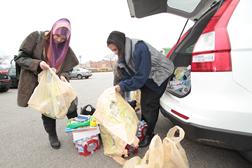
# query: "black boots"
(50, 124)
(54, 141)
(50, 128)
(146, 141)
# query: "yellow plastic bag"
(135, 162)
(52, 97)
(166, 154)
(174, 153)
(153, 158)
(118, 123)
(113, 146)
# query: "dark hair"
(117, 38)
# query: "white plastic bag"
(166, 154)
(52, 97)
(174, 153)
(118, 123)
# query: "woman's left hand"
(63, 78)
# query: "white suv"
(210, 92)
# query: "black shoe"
(146, 141)
(54, 141)
(132, 103)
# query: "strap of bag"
(174, 130)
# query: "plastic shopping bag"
(118, 122)
(153, 158)
(113, 146)
(52, 97)
(170, 153)
(174, 153)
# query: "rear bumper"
(212, 136)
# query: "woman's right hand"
(43, 65)
(117, 88)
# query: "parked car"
(13, 77)
(80, 73)
(210, 93)
(4, 80)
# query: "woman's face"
(58, 38)
(113, 48)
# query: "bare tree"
(111, 58)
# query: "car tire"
(247, 155)
(4, 89)
(86, 77)
(79, 77)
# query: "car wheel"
(247, 155)
(86, 77)
(79, 76)
(4, 89)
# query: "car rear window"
(187, 6)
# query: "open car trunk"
(200, 11)
(181, 54)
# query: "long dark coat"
(31, 53)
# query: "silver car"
(80, 73)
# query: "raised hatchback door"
(192, 9)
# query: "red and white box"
(88, 146)
(86, 140)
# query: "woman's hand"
(43, 65)
(117, 88)
(63, 78)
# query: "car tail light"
(212, 51)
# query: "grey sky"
(91, 21)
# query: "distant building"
(103, 65)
